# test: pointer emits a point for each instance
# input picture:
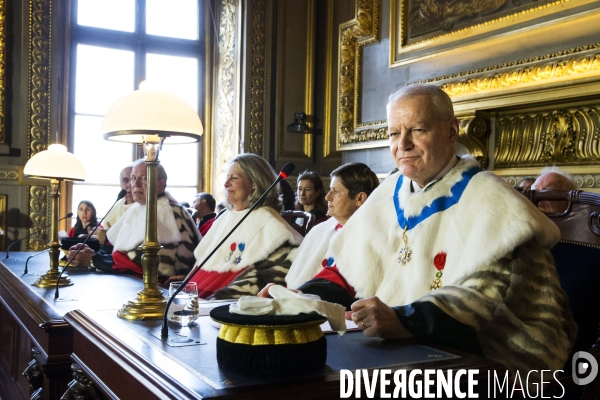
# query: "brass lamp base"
(143, 307)
(49, 280)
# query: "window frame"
(141, 44)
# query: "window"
(116, 45)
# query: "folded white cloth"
(286, 302)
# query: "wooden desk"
(120, 359)
(33, 332)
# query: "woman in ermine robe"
(261, 249)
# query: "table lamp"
(151, 118)
(56, 164)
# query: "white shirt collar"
(440, 175)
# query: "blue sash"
(438, 205)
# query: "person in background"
(177, 232)
(351, 185)
(431, 255)
(122, 205)
(526, 183)
(204, 204)
(86, 219)
(311, 195)
(260, 250)
(553, 178)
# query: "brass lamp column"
(57, 165)
(151, 118)
(150, 302)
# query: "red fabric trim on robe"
(208, 282)
(332, 274)
(204, 228)
(122, 263)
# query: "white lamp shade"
(55, 163)
(144, 116)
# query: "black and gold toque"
(267, 346)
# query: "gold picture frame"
(406, 49)
(565, 72)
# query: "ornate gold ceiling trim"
(257, 75)
(40, 16)
(359, 32)
(576, 63)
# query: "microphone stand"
(31, 256)
(69, 215)
(122, 194)
(285, 171)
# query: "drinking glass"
(184, 308)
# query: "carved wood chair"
(577, 257)
(301, 221)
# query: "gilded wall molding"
(40, 15)
(2, 70)
(584, 182)
(575, 63)
(569, 136)
(257, 75)
(9, 174)
(359, 32)
(225, 143)
(474, 134)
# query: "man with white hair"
(553, 178)
(449, 253)
(177, 232)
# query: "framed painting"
(421, 28)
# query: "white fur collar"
(311, 253)
(487, 223)
(259, 235)
(129, 231)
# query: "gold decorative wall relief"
(225, 143)
(257, 58)
(362, 30)
(40, 15)
(569, 136)
(473, 133)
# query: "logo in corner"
(584, 367)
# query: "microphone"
(122, 194)
(284, 173)
(31, 256)
(69, 215)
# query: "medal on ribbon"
(404, 256)
(439, 262)
(238, 259)
(232, 247)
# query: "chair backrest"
(577, 256)
(580, 220)
(301, 221)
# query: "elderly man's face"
(421, 144)
(124, 178)
(551, 181)
(138, 183)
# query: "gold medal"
(404, 257)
